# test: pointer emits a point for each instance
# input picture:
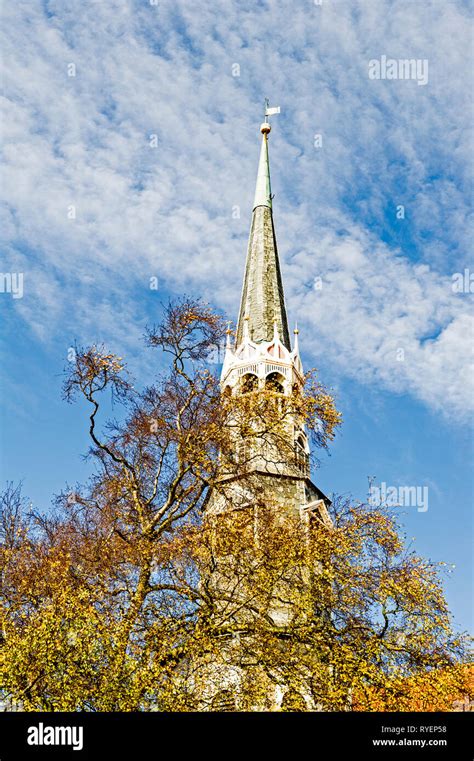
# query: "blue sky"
(142, 164)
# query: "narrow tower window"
(301, 456)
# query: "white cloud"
(381, 319)
(141, 70)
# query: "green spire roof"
(263, 191)
(262, 300)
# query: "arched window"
(227, 391)
(301, 455)
(274, 382)
(223, 701)
(300, 442)
(249, 383)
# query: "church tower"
(267, 473)
(263, 356)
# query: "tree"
(132, 594)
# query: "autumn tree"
(132, 594)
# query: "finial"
(295, 344)
(265, 128)
(228, 334)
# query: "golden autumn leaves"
(131, 595)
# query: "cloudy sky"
(130, 137)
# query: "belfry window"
(249, 383)
(274, 382)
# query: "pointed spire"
(263, 303)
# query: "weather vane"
(270, 111)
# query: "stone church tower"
(262, 357)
